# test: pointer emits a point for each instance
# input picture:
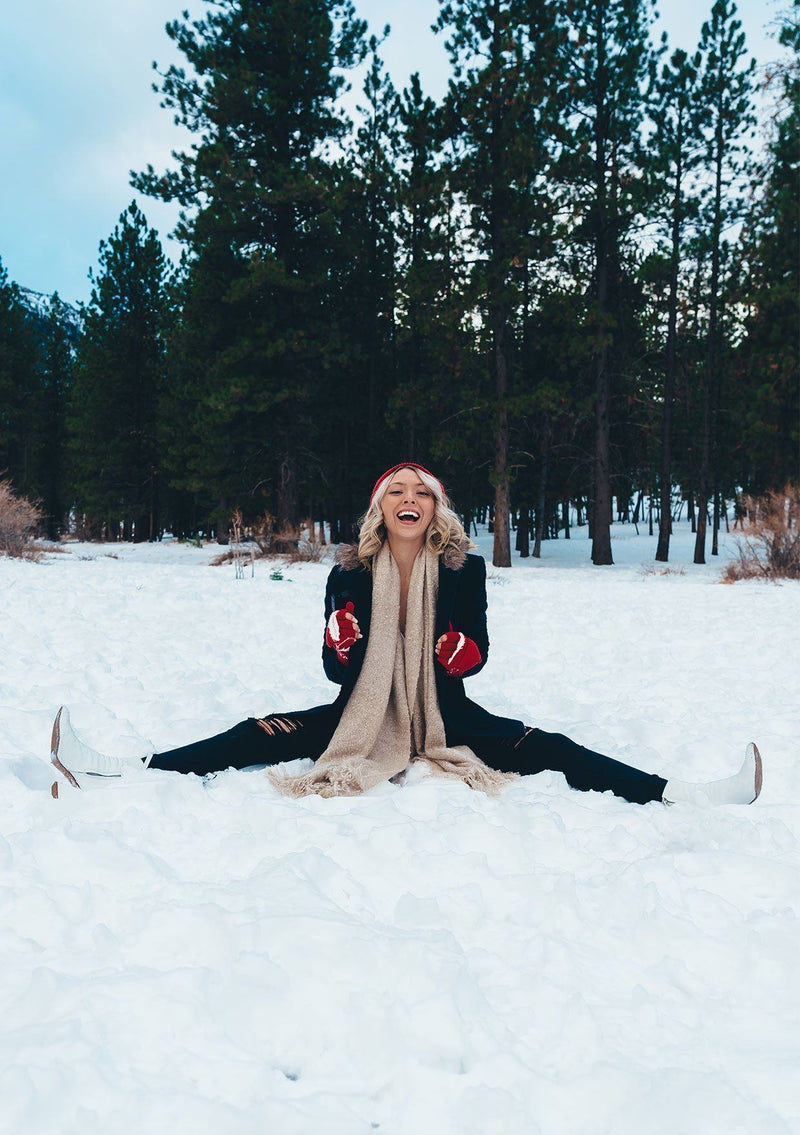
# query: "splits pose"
(405, 614)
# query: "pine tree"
(118, 375)
(56, 363)
(725, 91)
(425, 273)
(768, 360)
(260, 96)
(375, 156)
(439, 407)
(557, 408)
(608, 55)
(674, 154)
(501, 110)
(18, 385)
(347, 430)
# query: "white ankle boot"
(743, 788)
(70, 755)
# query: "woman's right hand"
(342, 632)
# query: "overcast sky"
(77, 113)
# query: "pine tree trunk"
(705, 467)
(501, 552)
(601, 512)
(286, 519)
(665, 520)
(704, 491)
(523, 533)
(537, 542)
(542, 501)
(716, 446)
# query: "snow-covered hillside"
(40, 306)
(204, 957)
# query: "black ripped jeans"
(284, 737)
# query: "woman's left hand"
(456, 653)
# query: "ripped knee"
(275, 724)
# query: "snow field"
(198, 957)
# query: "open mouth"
(408, 516)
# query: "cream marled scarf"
(392, 716)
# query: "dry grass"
(651, 569)
(19, 520)
(308, 551)
(262, 541)
(296, 545)
(305, 552)
(770, 545)
(222, 558)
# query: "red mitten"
(458, 653)
(340, 633)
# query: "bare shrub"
(291, 545)
(19, 519)
(307, 547)
(263, 531)
(243, 544)
(308, 551)
(296, 545)
(770, 545)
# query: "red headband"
(404, 465)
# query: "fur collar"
(453, 557)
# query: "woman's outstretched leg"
(268, 740)
(256, 741)
(536, 751)
(584, 769)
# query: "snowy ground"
(190, 957)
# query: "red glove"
(341, 632)
(457, 653)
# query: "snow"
(42, 305)
(190, 956)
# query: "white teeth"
(408, 515)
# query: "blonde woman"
(405, 624)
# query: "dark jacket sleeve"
(469, 611)
(330, 660)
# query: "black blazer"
(461, 601)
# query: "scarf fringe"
(348, 780)
(471, 771)
(345, 779)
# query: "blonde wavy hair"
(444, 531)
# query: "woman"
(405, 617)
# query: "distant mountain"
(40, 306)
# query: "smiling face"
(408, 506)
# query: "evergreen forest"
(570, 287)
